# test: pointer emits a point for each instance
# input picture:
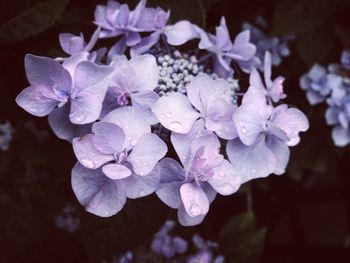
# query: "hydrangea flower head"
(122, 111)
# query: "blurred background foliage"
(302, 216)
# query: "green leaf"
(316, 45)
(241, 241)
(299, 16)
(32, 21)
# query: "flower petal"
(254, 161)
(91, 84)
(175, 112)
(186, 220)
(140, 186)
(146, 153)
(194, 199)
(226, 180)
(98, 194)
(62, 126)
(281, 151)
(340, 136)
(180, 33)
(291, 121)
(87, 154)
(109, 138)
(116, 171)
(132, 123)
(171, 178)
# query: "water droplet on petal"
(87, 163)
(176, 126)
(142, 173)
(129, 138)
(141, 192)
(133, 142)
(222, 174)
(107, 213)
(220, 132)
(169, 114)
(195, 210)
(243, 130)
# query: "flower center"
(121, 156)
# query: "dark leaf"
(32, 21)
(299, 16)
(316, 45)
(241, 241)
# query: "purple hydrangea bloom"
(83, 84)
(72, 44)
(264, 134)
(272, 90)
(175, 35)
(167, 245)
(74, 90)
(116, 162)
(190, 188)
(318, 84)
(116, 19)
(338, 114)
(120, 148)
(242, 51)
(133, 81)
(212, 100)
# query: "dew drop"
(87, 163)
(226, 189)
(142, 173)
(133, 142)
(129, 138)
(107, 213)
(176, 126)
(169, 114)
(141, 192)
(222, 174)
(244, 130)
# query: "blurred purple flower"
(167, 245)
(338, 113)
(6, 131)
(318, 84)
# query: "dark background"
(302, 216)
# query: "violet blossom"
(175, 35)
(72, 44)
(133, 81)
(192, 186)
(72, 91)
(264, 135)
(116, 19)
(116, 162)
(242, 51)
(212, 99)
